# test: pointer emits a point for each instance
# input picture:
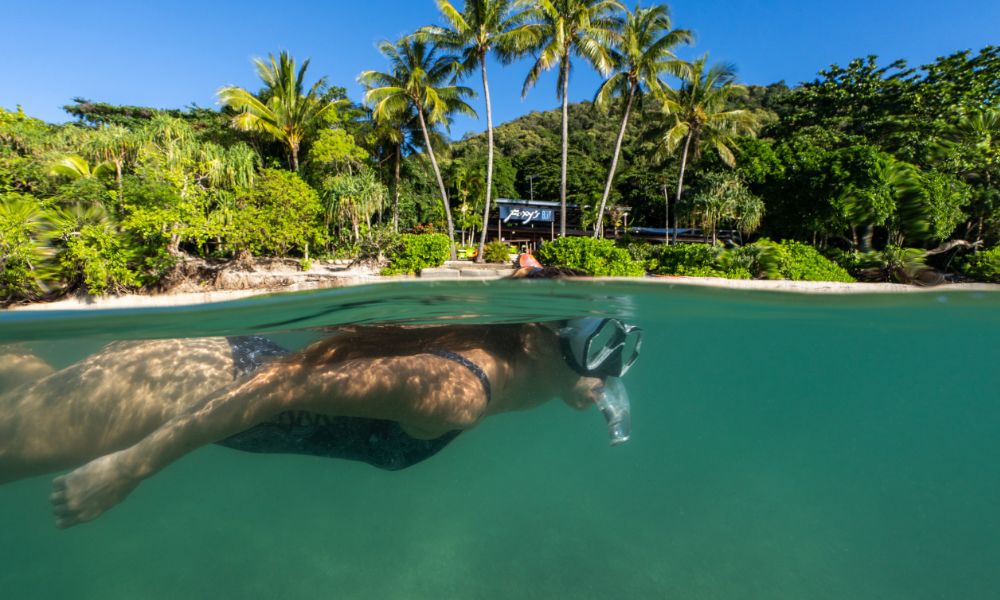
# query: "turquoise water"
(783, 447)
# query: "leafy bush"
(497, 252)
(282, 215)
(20, 251)
(790, 260)
(595, 257)
(895, 264)
(693, 260)
(984, 266)
(418, 251)
(99, 258)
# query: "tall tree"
(641, 51)
(698, 115)
(422, 79)
(391, 137)
(562, 29)
(482, 27)
(284, 110)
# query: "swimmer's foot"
(86, 493)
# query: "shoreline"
(455, 272)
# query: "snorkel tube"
(605, 348)
(614, 405)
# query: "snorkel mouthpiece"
(614, 405)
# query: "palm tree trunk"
(440, 181)
(680, 182)
(599, 229)
(565, 144)
(489, 159)
(395, 190)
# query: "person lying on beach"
(391, 396)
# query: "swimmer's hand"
(585, 392)
(86, 493)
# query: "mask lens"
(630, 351)
(602, 344)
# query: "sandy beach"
(278, 281)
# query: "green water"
(783, 447)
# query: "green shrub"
(593, 256)
(99, 258)
(281, 216)
(694, 260)
(20, 250)
(497, 252)
(682, 259)
(790, 260)
(418, 251)
(894, 264)
(984, 266)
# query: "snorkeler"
(390, 396)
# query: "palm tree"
(422, 80)
(698, 115)
(284, 110)
(115, 145)
(74, 167)
(642, 50)
(563, 28)
(482, 27)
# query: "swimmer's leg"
(106, 402)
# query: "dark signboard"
(526, 214)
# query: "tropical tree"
(391, 137)
(73, 167)
(422, 79)
(972, 148)
(641, 51)
(725, 197)
(482, 27)
(113, 145)
(562, 29)
(698, 115)
(284, 110)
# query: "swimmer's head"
(530, 268)
(599, 347)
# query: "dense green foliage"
(984, 266)
(596, 257)
(891, 171)
(415, 252)
(763, 259)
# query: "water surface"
(784, 446)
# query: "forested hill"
(530, 146)
(849, 154)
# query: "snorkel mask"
(605, 348)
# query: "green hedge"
(789, 260)
(600, 258)
(693, 260)
(416, 252)
(764, 259)
(984, 266)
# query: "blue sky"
(172, 54)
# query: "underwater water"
(783, 446)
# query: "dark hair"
(547, 273)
